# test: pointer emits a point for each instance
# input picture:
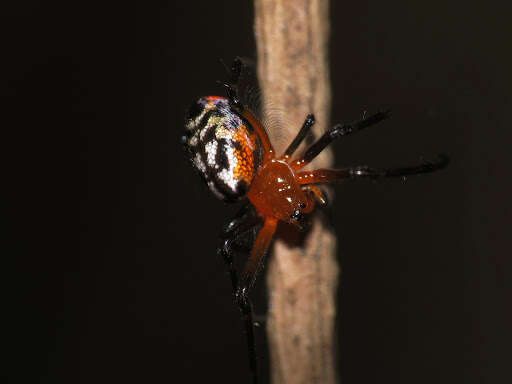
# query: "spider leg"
(317, 193)
(246, 220)
(243, 110)
(328, 175)
(255, 261)
(308, 123)
(335, 132)
(251, 270)
(232, 85)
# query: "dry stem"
(293, 71)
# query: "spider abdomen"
(222, 146)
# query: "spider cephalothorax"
(230, 148)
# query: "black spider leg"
(341, 130)
(244, 221)
(364, 172)
(308, 123)
(232, 85)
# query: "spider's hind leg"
(232, 85)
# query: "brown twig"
(292, 38)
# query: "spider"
(231, 150)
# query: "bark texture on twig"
(292, 37)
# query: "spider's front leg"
(243, 222)
(246, 220)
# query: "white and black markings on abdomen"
(210, 141)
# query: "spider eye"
(296, 215)
(302, 205)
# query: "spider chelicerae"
(231, 150)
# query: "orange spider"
(230, 148)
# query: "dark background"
(136, 292)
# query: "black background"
(136, 292)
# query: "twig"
(292, 38)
